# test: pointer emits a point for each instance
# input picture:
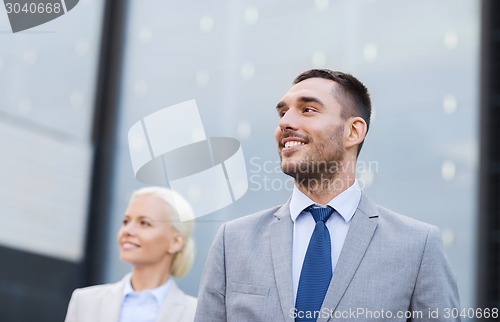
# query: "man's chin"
(302, 171)
(291, 168)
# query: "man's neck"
(322, 191)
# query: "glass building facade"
(419, 60)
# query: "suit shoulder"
(406, 228)
(190, 300)
(96, 290)
(178, 293)
(403, 219)
(255, 219)
(384, 215)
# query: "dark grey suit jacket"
(390, 267)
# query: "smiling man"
(329, 253)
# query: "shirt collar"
(159, 293)
(345, 203)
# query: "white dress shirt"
(338, 224)
(143, 306)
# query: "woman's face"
(146, 237)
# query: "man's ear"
(357, 129)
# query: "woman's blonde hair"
(181, 218)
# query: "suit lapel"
(281, 233)
(111, 303)
(173, 306)
(356, 243)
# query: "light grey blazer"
(389, 264)
(102, 303)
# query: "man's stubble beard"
(321, 165)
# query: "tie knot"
(321, 213)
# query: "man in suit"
(329, 253)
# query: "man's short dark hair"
(354, 96)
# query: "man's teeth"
(289, 144)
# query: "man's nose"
(289, 121)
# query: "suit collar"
(345, 203)
(281, 234)
(363, 226)
(283, 210)
(111, 303)
(159, 293)
(367, 207)
(170, 310)
(174, 304)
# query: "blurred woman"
(158, 245)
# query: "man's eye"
(308, 109)
(145, 223)
(125, 222)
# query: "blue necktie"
(317, 268)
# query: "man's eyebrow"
(281, 105)
(310, 99)
(302, 99)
